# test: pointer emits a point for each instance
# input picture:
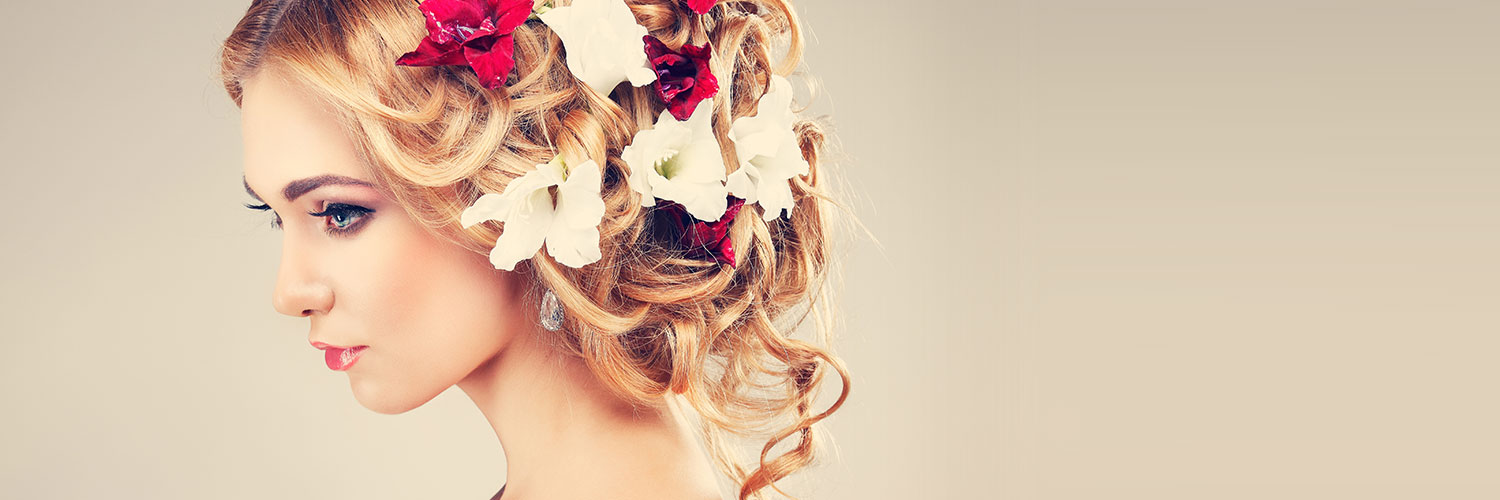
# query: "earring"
(551, 313)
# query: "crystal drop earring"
(551, 313)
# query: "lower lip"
(341, 359)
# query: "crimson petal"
(445, 17)
(683, 76)
(726, 252)
(721, 229)
(491, 59)
(430, 53)
(701, 6)
(706, 85)
(670, 92)
(705, 239)
(509, 14)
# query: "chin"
(388, 400)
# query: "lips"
(340, 358)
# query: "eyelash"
(333, 209)
(275, 223)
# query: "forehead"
(289, 134)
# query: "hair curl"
(647, 320)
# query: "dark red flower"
(703, 240)
(473, 33)
(700, 6)
(682, 77)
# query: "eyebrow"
(299, 187)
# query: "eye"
(343, 218)
(275, 222)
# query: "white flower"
(768, 152)
(681, 162)
(570, 226)
(603, 41)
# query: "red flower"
(701, 6)
(474, 33)
(682, 78)
(704, 240)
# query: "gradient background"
(1149, 249)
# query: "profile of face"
(358, 266)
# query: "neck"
(566, 435)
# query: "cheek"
(431, 311)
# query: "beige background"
(1150, 249)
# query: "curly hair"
(647, 320)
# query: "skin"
(435, 314)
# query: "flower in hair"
(569, 224)
(474, 33)
(768, 152)
(700, 6)
(704, 240)
(682, 76)
(602, 41)
(680, 161)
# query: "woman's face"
(363, 272)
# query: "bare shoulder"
(674, 492)
(680, 487)
(684, 494)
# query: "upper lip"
(321, 345)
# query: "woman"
(606, 243)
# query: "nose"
(299, 290)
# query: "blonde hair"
(647, 320)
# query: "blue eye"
(343, 218)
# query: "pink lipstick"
(340, 358)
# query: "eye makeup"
(343, 219)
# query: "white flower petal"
(574, 237)
(755, 136)
(498, 207)
(774, 188)
(691, 165)
(643, 75)
(774, 195)
(649, 146)
(603, 42)
(526, 209)
(759, 134)
(706, 201)
(574, 247)
(491, 206)
(700, 160)
(578, 200)
(525, 228)
(640, 182)
(768, 152)
(742, 183)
